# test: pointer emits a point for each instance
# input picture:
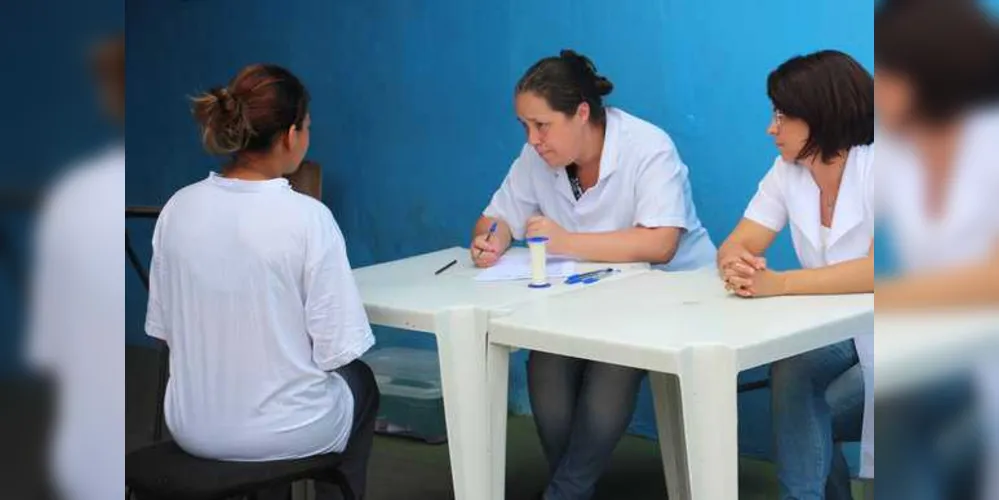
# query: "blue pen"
(492, 229)
(590, 277)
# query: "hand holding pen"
(485, 252)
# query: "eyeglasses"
(778, 119)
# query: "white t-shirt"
(77, 330)
(643, 182)
(251, 288)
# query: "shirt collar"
(247, 186)
(608, 157)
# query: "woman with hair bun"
(601, 185)
(251, 288)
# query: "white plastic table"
(916, 348)
(455, 308)
(693, 338)
(921, 346)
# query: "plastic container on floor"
(412, 404)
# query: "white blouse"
(643, 182)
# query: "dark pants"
(355, 458)
(582, 409)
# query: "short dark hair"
(947, 49)
(567, 81)
(260, 103)
(833, 94)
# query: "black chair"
(163, 471)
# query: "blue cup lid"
(538, 239)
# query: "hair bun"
(224, 126)
(227, 102)
(569, 54)
(603, 85)
(578, 61)
(587, 71)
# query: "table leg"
(669, 422)
(708, 394)
(499, 387)
(461, 342)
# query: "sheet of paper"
(513, 267)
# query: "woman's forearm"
(972, 285)
(657, 245)
(855, 276)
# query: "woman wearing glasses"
(823, 127)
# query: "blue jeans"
(581, 408)
(818, 400)
(929, 441)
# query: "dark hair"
(260, 103)
(567, 81)
(833, 94)
(948, 50)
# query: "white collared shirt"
(643, 182)
(251, 288)
(788, 194)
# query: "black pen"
(445, 268)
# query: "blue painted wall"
(413, 119)
(51, 117)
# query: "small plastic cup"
(539, 260)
